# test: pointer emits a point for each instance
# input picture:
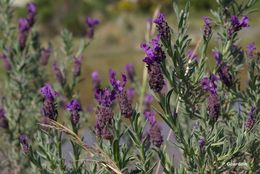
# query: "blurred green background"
(122, 29)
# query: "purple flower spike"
(153, 51)
(105, 97)
(125, 104)
(23, 25)
(77, 66)
(59, 76)
(192, 55)
(3, 120)
(162, 27)
(32, 10)
(209, 84)
(23, 139)
(202, 144)
(117, 84)
(214, 107)
(95, 80)
(237, 25)
(91, 23)
(218, 56)
(49, 109)
(207, 31)
(7, 64)
(130, 71)
(251, 48)
(48, 92)
(250, 119)
(74, 108)
(103, 125)
(148, 99)
(45, 55)
(154, 56)
(150, 117)
(24, 28)
(156, 135)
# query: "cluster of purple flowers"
(154, 56)
(214, 107)
(3, 120)
(95, 80)
(74, 108)
(202, 144)
(104, 113)
(23, 139)
(124, 102)
(250, 119)
(6, 61)
(223, 69)
(25, 24)
(155, 135)
(49, 109)
(91, 23)
(162, 27)
(237, 24)
(207, 31)
(77, 66)
(250, 51)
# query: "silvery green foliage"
(23, 77)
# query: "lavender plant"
(211, 120)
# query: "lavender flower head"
(74, 108)
(49, 109)
(130, 72)
(48, 92)
(95, 80)
(105, 97)
(104, 113)
(250, 119)
(148, 99)
(23, 139)
(223, 70)
(214, 107)
(202, 144)
(154, 56)
(153, 51)
(77, 66)
(163, 27)
(250, 50)
(237, 25)
(117, 84)
(209, 84)
(218, 56)
(192, 55)
(3, 120)
(57, 71)
(32, 10)
(124, 102)
(6, 61)
(207, 31)
(24, 28)
(150, 117)
(91, 23)
(156, 135)
(45, 55)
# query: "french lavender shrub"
(205, 115)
